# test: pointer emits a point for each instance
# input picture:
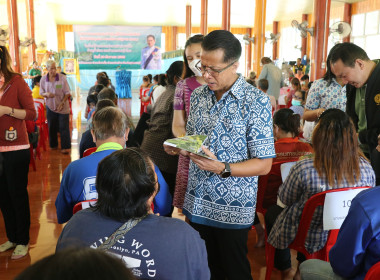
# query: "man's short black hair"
(224, 40)
(305, 77)
(348, 53)
(107, 93)
(263, 84)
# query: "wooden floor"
(43, 189)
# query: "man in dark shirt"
(352, 64)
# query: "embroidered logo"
(377, 99)
(11, 134)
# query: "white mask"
(194, 69)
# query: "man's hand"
(207, 164)
(60, 106)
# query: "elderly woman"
(337, 163)
(56, 90)
(153, 247)
(16, 105)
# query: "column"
(14, 42)
(347, 14)
(259, 34)
(304, 40)
(188, 21)
(226, 15)
(275, 44)
(248, 51)
(204, 6)
(31, 33)
(320, 39)
(174, 38)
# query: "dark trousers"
(14, 199)
(282, 258)
(58, 123)
(227, 252)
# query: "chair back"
(89, 151)
(307, 214)
(83, 205)
(373, 273)
(275, 176)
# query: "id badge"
(58, 86)
(11, 134)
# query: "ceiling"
(169, 12)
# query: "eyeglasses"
(211, 71)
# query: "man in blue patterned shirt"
(221, 195)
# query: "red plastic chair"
(274, 173)
(89, 151)
(299, 242)
(373, 273)
(41, 122)
(83, 205)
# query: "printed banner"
(112, 47)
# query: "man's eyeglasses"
(211, 71)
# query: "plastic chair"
(299, 242)
(89, 151)
(373, 273)
(274, 173)
(41, 122)
(83, 205)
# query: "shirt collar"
(56, 77)
(109, 146)
(236, 89)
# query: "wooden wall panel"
(61, 29)
(365, 6)
(337, 12)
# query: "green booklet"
(190, 143)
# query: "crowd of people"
(329, 127)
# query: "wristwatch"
(226, 171)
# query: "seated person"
(91, 103)
(338, 163)
(74, 264)
(154, 247)
(362, 228)
(286, 127)
(263, 85)
(89, 111)
(110, 131)
(36, 88)
(298, 102)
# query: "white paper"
(336, 207)
(285, 169)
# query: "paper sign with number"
(336, 208)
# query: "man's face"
(150, 41)
(52, 70)
(355, 76)
(35, 65)
(212, 62)
(298, 61)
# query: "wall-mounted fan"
(273, 38)
(340, 29)
(42, 45)
(297, 47)
(26, 42)
(248, 39)
(4, 35)
(303, 28)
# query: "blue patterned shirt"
(303, 182)
(327, 97)
(239, 127)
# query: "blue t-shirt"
(156, 248)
